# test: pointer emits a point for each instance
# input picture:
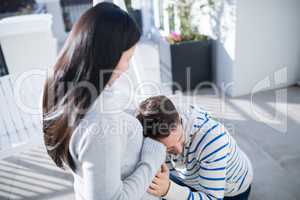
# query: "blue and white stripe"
(211, 163)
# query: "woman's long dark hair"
(95, 43)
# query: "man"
(203, 159)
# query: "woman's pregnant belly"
(131, 154)
(131, 157)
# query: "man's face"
(175, 141)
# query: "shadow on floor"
(32, 175)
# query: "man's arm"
(178, 192)
(211, 180)
(210, 152)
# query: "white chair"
(27, 42)
(20, 124)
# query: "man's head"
(161, 121)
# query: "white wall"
(256, 40)
(267, 40)
(147, 8)
(219, 23)
(223, 29)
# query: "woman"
(84, 128)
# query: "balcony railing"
(19, 128)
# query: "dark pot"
(190, 63)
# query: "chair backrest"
(20, 124)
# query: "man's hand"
(161, 182)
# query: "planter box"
(186, 64)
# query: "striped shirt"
(211, 163)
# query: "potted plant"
(135, 13)
(185, 56)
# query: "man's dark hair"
(158, 117)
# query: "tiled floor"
(31, 175)
(275, 154)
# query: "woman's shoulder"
(114, 119)
(97, 128)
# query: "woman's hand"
(161, 182)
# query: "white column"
(166, 17)
(156, 14)
(53, 7)
(177, 20)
